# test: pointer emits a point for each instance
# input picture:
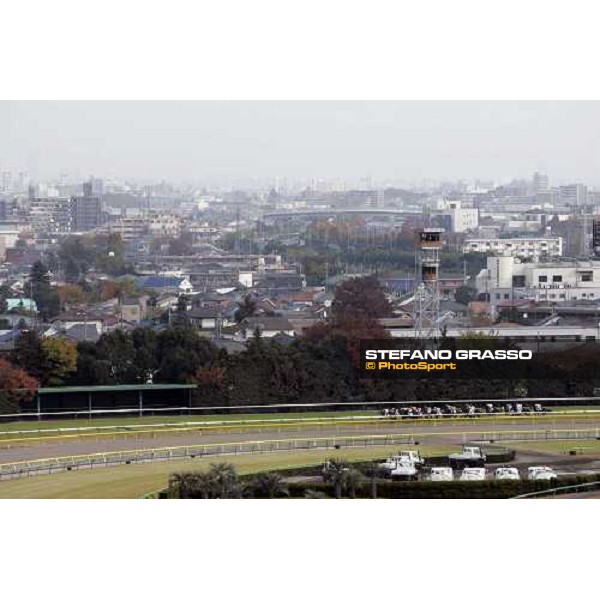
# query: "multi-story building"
(7, 208)
(574, 194)
(129, 228)
(507, 279)
(6, 181)
(516, 247)
(457, 218)
(9, 234)
(50, 215)
(86, 212)
(166, 225)
(540, 182)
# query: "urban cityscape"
(257, 254)
(199, 330)
(516, 256)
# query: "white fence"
(92, 461)
(107, 459)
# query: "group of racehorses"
(466, 409)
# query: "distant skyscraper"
(97, 187)
(540, 182)
(87, 189)
(23, 180)
(6, 181)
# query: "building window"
(556, 278)
(587, 276)
(542, 278)
(506, 296)
(561, 296)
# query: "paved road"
(440, 433)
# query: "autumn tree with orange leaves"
(15, 386)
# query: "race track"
(445, 432)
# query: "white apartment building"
(516, 247)
(164, 225)
(50, 214)
(460, 219)
(508, 278)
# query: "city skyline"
(228, 142)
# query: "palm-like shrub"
(183, 485)
(268, 485)
(335, 472)
(220, 481)
(225, 481)
(354, 479)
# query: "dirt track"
(437, 433)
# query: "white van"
(503, 473)
(541, 474)
(441, 474)
(473, 474)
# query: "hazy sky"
(346, 140)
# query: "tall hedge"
(446, 489)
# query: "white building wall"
(552, 282)
(516, 247)
(464, 219)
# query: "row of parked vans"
(407, 464)
(501, 473)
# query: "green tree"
(127, 287)
(185, 485)
(225, 480)
(180, 317)
(144, 365)
(45, 296)
(76, 256)
(465, 294)
(221, 481)
(116, 348)
(268, 485)
(246, 308)
(29, 354)
(92, 367)
(336, 473)
(110, 254)
(354, 480)
(61, 359)
(181, 352)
